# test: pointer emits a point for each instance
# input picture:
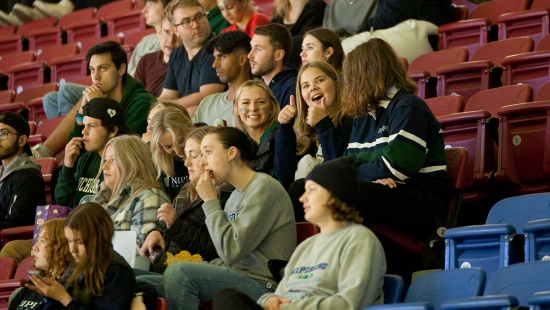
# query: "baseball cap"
(108, 110)
(20, 125)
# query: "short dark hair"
(279, 37)
(228, 42)
(118, 55)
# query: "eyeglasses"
(166, 34)
(188, 22)
(4, 134)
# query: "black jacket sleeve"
(285, 155)
(25, 190)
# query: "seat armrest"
(487, 230)
(483, 302)
(465, 67)
(402, 306)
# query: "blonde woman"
(312, 126)
(130, 191)
(156, 107)
(299, 16)
(255, 111)
(241, 15)
(169, 127)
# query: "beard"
(265, 68)
(8, 152)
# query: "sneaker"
(25, 13)
(41, 151)
(64, 7)
(10, 19)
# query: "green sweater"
(216, 20)
(136, 102)
(76, 185)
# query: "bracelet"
(139, 294)
(79, 118)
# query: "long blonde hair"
(275, 109)
(305, 134)
(171, 120)
(134, 165)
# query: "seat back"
(544, 43)
(432, 61)
(460, 12)
(493, 99)
(114, 6)
(494, 9)
(22, 271)
(9, 60)
(8, 265)
(443, 105)
(48, 126)
(520, 280)
(305, 230)
(52, 52)
(27, 27)
(76, 16)
(8, 30)
(393, 288)
(134, 38)
(437, 287)
(496, 51)
(519, 210)
(6, 96)
(30, 93)
(85, 45)
(48, 164)
(543, 93)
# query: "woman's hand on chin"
(206, 187)
(50, 288)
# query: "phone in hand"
(36, 273)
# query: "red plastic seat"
(7, 30)
(460, 12)
(533, 23)
(161, 304)
(468, 78)
(134, 38)
(527, 68)
(48, 165)
(446, 104)
(44, 130)
(469, 129)
(524, 147)
(30, 74)
(32, 127)
(8, 265)
(543, 93)
(6, 96)
(31, 98)
(52, 36)
(16, 233)
(125, 23)
(425, 66)
(473, 32)
(470, 5)
(7, 287)
(265, 7)
(92, 28)
(305, 230)
(14, 43)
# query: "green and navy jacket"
(402, 140)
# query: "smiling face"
(316, 85)
(167, 38)
(166, 141)
(215, 158)
(193, 159)
(40, 255)
(312, 49)
(110, 167)
(76, 244)
(232, 10)
(254, 108)
(95, 136)
(196, 35)
(262, 56)
(315, 199)
(104, 73)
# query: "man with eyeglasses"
(21, 181)
(152, 68)
(190, 76)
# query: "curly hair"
(57, 249)
(341, 212)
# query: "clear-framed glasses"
(4, 134)
(166, 34)
(188, 22)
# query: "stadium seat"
(92, 28)
(41, 38)
(483, 72)
(533, 23)
(444, 105)
(430, 290)
(16, 233)
(393, 288)
(36, 73)
(489, 246)
(537, 240)
(7, 30)
(514, 283)
(305, 230)
(540, 301)
(125, 23)
(460, 12)
(7, 287)
(425, 66)
(524, 147)
(474, 32)
(6, 96)
(469, 129)
(8, 265)
(11, 44)
(48, 164)
(31, 98)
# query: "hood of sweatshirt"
(21, 162)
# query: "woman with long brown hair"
(396, 140)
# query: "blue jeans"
(188, 284)
(59, 103)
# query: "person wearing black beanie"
(344, 264)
